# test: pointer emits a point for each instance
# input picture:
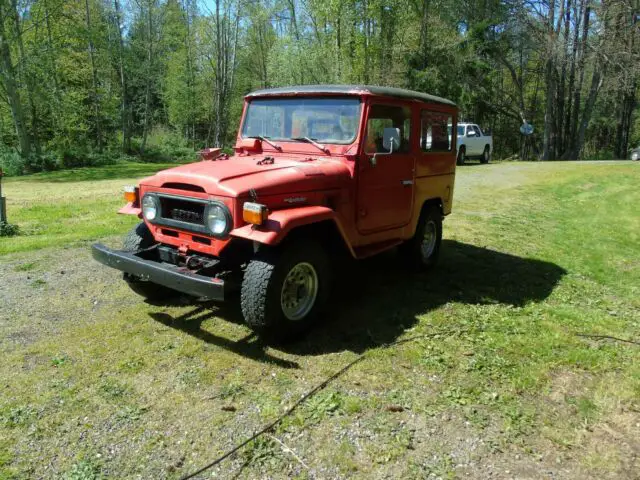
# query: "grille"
(186, 211)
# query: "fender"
(281, 222)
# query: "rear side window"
(386, 116)
(477, 130)
(435, 131)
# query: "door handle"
(406, 182)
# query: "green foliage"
(8, 229)
(17, 416)
(160, 79)
(11, 162)
(85, 469)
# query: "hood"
(237, 175)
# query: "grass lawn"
(98, 384)
(67, 207)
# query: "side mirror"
(391, 139)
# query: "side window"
(469, 130)
(434, 131)
(478, 132)
(385, 116)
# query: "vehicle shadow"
(249, 346)
(380, 300)
(377, 300)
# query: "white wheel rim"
(299, 291)
(428, 244)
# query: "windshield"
(325, 120)
(460, 130)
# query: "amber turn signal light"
(130, 194)
(254, 213)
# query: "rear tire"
(460, 159)
(421, 252)
(285, 289)
(138, 239)
(486, 155)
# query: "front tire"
(285, 289)
(461, 153)
(138, 239)
(421, 252)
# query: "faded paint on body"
(369, 205)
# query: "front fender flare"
(281, 222)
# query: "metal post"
(3, 204)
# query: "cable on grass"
(312, 392)
(606, 337)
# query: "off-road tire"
(486, 155)
(412, 251)
(137, 239)
(260, 296)
(460, 158)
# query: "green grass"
(534, 254)
(68, 207)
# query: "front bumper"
(171, 276)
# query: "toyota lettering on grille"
(186, 216)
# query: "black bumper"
(165, 274)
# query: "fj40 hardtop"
(317, 171)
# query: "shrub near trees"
(91, 81)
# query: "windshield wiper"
(312, 142)
(266, 139)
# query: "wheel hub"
(428, 244)
(299, 291)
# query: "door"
(386, 179)
(473, 141)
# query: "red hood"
(237, 175)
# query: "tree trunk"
(125, 115)
(627, 107)
(568, 122)
(54, 66)
(582, 53)
(94, 76)
(596, 83)
(7, 73)
(147, 93)
(547, 139)
(28, 79)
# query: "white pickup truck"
(473, 143)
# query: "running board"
(370, 250)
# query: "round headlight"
(217, 220)
(149, 207)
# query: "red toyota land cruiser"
(317, 170)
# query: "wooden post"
(3, 204)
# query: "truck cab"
(317, 172)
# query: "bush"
(164, 145)
(8, 229)
(11, 162)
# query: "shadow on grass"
(377, 299)
(106, 172)
(382, 300)
(191, 323)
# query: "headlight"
(218, 219)
(634, 156)
(149, 207)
